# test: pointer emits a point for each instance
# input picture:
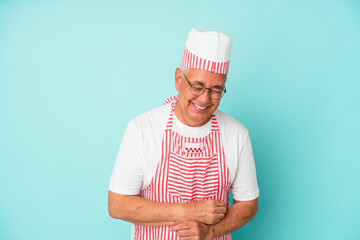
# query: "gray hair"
(183, 69)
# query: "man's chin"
(200, 120)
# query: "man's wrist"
(182, 212)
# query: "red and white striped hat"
(207, 50)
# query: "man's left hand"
(192, 230)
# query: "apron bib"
(190, 169)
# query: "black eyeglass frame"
(210, 90)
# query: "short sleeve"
(245, 187)
(128, 172)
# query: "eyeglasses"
(198, 89)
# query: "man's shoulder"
(228, 123)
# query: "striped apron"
(190, 169)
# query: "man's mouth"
(199, 106)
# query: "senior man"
(177, 163)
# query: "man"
(177, 163)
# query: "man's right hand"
(205, 211)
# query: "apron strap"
(214, 124)
(171, 99)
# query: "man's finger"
(219, 217)
(185, 233)
(179, 226)
(220, 203)
(186, 238)
(221, 210)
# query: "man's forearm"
(236, 216)
(149, 213)
(143, 212)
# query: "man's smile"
(200, 107)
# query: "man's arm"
(237, 215)
(149, 213)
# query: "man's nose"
(206, 96)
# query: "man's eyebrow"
(198, 82)
(201, 83)
(218, 86)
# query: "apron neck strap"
(171, 99)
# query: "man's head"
(200, 80)
(193, 109)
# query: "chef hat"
(207, 50)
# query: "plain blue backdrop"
(73, 73)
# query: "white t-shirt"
(140, 152)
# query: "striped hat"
(207, 50)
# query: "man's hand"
(236, 216)
(205, 211)
(192, 230)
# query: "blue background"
(73, 73)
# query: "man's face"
(193, 110)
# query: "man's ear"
(178, 79)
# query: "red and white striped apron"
(190, 169)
